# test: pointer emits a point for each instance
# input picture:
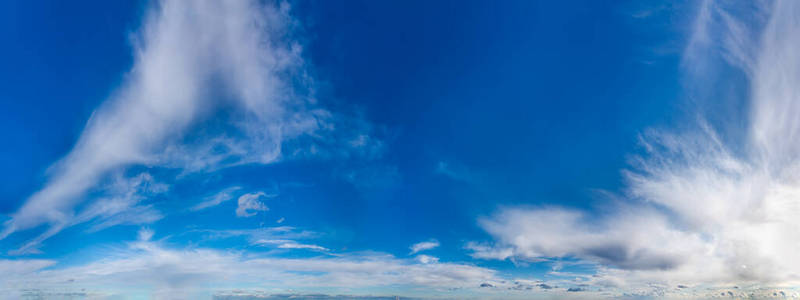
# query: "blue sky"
(445, 149)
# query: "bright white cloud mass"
(707, 210)
(700, 210)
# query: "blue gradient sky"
(435, 149)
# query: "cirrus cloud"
(700, 208)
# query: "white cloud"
(289, 244)
(213, 84)
(119, 203)
(217, 199)
(700, 209)
(422, 246)
(249, 205)
(158, 272)
(630, 240)
(282, 237)
(426, 259)
(717, 30)
(145, 234)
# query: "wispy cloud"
(217, 199)
(700, 208)
(268, 236)
(289, 244)
(213, 84)
(119, 203)
(454, 171)
(422, 246)
(182, 48)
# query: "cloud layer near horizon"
(150, 269)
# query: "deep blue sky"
(478, 105)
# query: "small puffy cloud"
(426, 259)
(422, 246)
(249, 204)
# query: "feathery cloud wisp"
(700, 208)
(230, 68)
(422, 246)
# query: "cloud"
(426, 259)
(289, 244)
(280, 237)
(454, 171)
(145, 234)
(252, 295)
(422, 246)
(216, 199)
(213, 85)
(249, 205)
(181, 48)
(149, 269)
(278, 232)
(119, 203)
(701, 208)
(627, 241)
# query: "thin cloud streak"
(422, 246)
(216, 199)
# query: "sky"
(167, 149)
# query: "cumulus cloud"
(249, 205)
(213, 85)
(700, 208)
(422, 246)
